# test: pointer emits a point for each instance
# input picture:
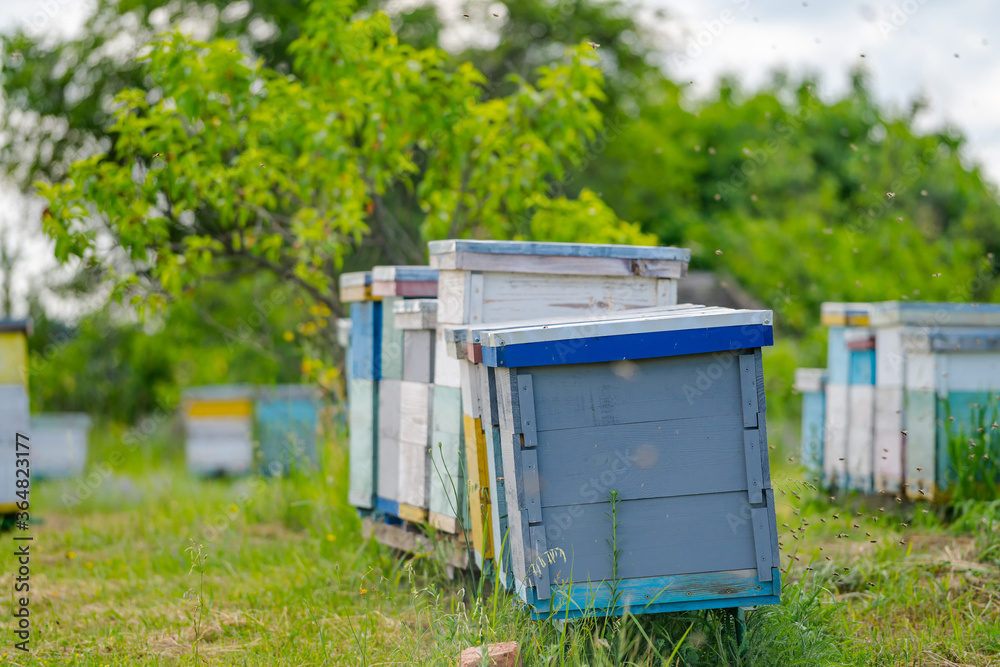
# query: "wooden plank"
(765, 463)
(389, 396)
(517, 514)
(655, 594)
(530, 484)
(363, 410)
(526, 409)
(478, 486)
(837, 357)
(414, 314)
(835, 434)
(754, 472)
(762, 542)
(391, 349)
(921, 371)
(921, 440)
(418, 356)
(659, 536)
(447, 371)
(508, 409)
(758, 359)
(630, 346)
(666, 291)
(861, 436)
(889, 357)
(649, 459)
(412, 514)
(748, 390)
(862, 369)
(553, 249)
(519, 296)
(471, 404)
(415, 405)
(595, 266)
(415, 542)
(969, 371)
(541, 573)
(809, 380)
(600, 395)
(966, 341)
(447, 483)
(772, 525)
(889, 438)
(488, 393)
(453, 297)
(813, 417)
(678, 318)
(498, 496)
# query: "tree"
(222, 165)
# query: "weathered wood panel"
(921, 440)
(363, 411)
(575, 396)
(391, 346)
(447, 481)
(447, 370)
(416, 403)
(478, 487)
(13, 358)
(813, 418)
(643, 460)
(418, 356)
(14, 418)
(860, 436)
(835, 434)
(889, 438)
(389, 396)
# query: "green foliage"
(232, 164)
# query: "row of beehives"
(56, 442)
(901, 379)
(508, 392)
(238, 429)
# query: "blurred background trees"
(800, 198)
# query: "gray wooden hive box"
(666, 409)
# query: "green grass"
(287, 580)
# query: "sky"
(943, 52)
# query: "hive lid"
(559, 258)
(835, 313)
(809, 380)
(61, 420)
(670, 331)
(16, 326)
(939, 314)
(355, 286)
(411, 281)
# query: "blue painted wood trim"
(387, 506)
(558, 249)
(629, 346)
(709, 590)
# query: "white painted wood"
(453, 300)
(418, 355)
(860, 436)
(889, 357)
(921, 441)
(666, 292)
(437, 249)
(921, 371)
(13, 420)
(835, 436)
(542, 264)
(971, 371)
(413, 314)
(667, 320)
(470, 389)
(447, 371)
(414, 442)
(809, 380)
(889, 438)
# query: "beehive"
(417, 319)
(218, 422)
(487, 282)
(849, 436)
(811, 384)
(394, 284)
(13, 406)
(362, 385)
(668, 412)
(286, 428)
(944, 358)
(59, 444)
